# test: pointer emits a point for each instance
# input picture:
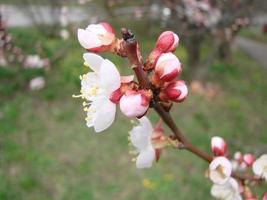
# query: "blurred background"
(46, 150)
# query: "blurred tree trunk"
(193, 47)
(224, 48)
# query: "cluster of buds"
(164, 67)
(241, 162)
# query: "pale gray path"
(254, 49)
(23, 16)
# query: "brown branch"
(134, 58)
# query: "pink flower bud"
(167, 42)
(238, 157)
(264, 197)
(176, 91)
(249, 159)
(167, 67)
(97, 37)
(134, 103)
(218, 146)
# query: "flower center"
(93, 91)
(220, 171)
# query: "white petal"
(140, 136)
(104, 116)
(87, 39)
(257, 168)
(96, 29)
(145, 158)
(146, 124)
(93, 60)
(220, 176)
(109, 76)
(228, 191)
(260, 165)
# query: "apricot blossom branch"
(157, 88)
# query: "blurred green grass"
(47, 152)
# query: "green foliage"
(47, 152)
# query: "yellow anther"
(81, 77)
(85, 103)
(86, 64)
(77, 96)
(93, 91)
(88, 118)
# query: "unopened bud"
(167, 42)
(218, 146)
(249, 159)
(176, 91)
(167, 67)
(134, 103)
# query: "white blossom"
(96, 88)
(140, 137)
(37, 83)
(228, 191)
(220, 170)
(260, 166)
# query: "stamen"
(77, 96)
(133, 152)
(86, 64)
(85, 104)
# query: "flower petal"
(140, 136)
(87, 39)
(145, 158)
(146, 124)
(109, 76)
(104, 116)
(93, 60)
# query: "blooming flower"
(176, 91)
(260, 166)
(148, 142)
(64, 34)
(37, 83)
(220, 170)
(167, 42)
(227, 191)
(218, 146)
(140, 137)
(96, 37)
(134, 103)
(96, 88)
(34, 61)
(168, 67)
